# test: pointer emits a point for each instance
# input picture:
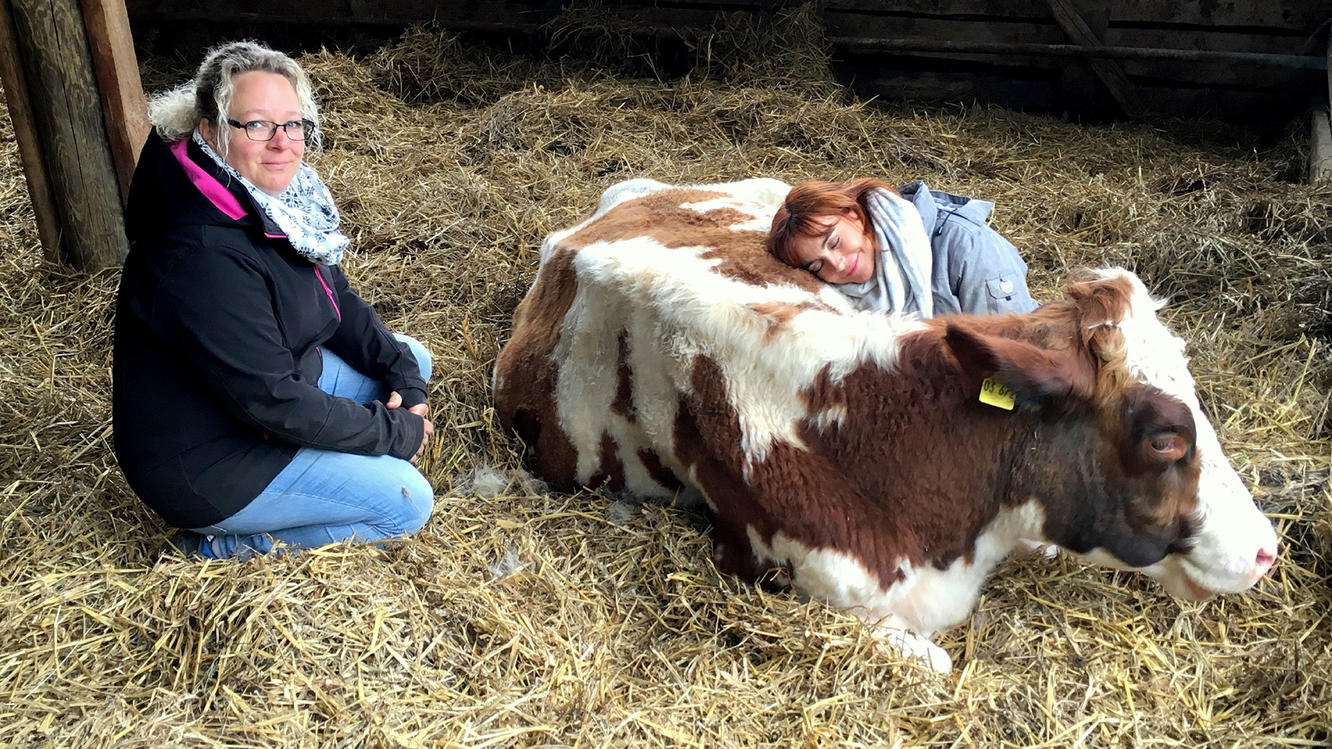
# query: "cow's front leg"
(733, 555)
(894, 633)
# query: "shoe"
(191, 544)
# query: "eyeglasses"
(264, 130)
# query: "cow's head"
(1135, 477)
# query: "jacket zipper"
(328, 291)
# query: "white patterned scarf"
(901, 280)
(305, 210)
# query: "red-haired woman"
(911, 250)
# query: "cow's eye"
(1168, 445)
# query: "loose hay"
(521, 617)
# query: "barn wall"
(1237, 59)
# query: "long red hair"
(808, 205)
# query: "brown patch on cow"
(924, 480)
(660, 216)
(624, 388)
(779, 314)
(1152, 415)
(810, 497)
(610, 469)
(524, 400)
(823, 394)
(707, 440)
(659, 472)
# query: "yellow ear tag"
(995, 394)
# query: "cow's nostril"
(1265, 560)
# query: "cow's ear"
(1045, 378)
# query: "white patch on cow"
(924, 601)
(628, 190)
(829, 417)
(673, 306)
(754, 223)
(1232, 530)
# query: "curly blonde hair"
(175, 113)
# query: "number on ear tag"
(994, 393)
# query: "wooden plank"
(1272, 41)
(53, 50)
(1107, 70)
(1320, 148)
(915, 84)
(1224, 76)
(1031, 31)
(499, 15)
(117, 71)
(1257, 60)
(1075, 82)
(1303, 16)
(911, 81)
(18, 101)
(1045, 31)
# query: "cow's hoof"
(911, 645)
(1037, 549)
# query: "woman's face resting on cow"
(910, 250)
(823, 227)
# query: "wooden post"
(1320, 140)
(30, 148)
(117, 71)
(64, 107)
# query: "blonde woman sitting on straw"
(257, 398)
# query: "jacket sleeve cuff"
(411, 395)
(413, 429)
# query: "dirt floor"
(521, 617)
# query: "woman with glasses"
(256, 397)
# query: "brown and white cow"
(660, 349)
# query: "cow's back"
(629, 308)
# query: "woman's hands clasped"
(420, 409)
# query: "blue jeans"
(323, 496)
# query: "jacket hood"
(176, 185)
(930, 202)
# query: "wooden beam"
(1320, 148)
(1111, 75)
(53, 52)
(117, 70)
(869, 45)
(25, 133)
(1320, 142)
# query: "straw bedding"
(522, 617)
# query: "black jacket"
(219, 324)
